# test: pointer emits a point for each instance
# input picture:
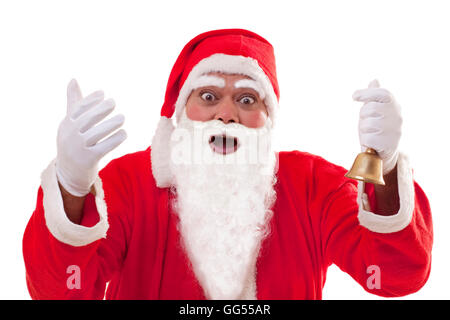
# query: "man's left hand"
(380, 123)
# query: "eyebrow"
(206, 81)
(252, 84)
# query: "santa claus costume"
(154, 231)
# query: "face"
(230, 98)
(224, 182)
(221, 150)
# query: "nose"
(227, 112)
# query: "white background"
(325, 50)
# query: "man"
(210, 210)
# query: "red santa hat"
(230, 51)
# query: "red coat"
(316, 222)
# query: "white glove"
(380, 123)
(78, 146)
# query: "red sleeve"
(387, 263)
(58, 270)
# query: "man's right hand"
(79, 148)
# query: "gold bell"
(368, 167)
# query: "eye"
(208, 96)
(247, 100)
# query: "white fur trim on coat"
(230, 64)
(398, 221)
(56, 219)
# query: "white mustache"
(190, 142)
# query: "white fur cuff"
(398, 221)
(57, 222)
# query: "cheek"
(198, 113)
(254, 119)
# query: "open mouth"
(223, 144)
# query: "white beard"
(223, 203)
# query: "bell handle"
(371, 151)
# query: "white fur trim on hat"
(160, 153)
(398, 221)
(229, 64)
(56, 219)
